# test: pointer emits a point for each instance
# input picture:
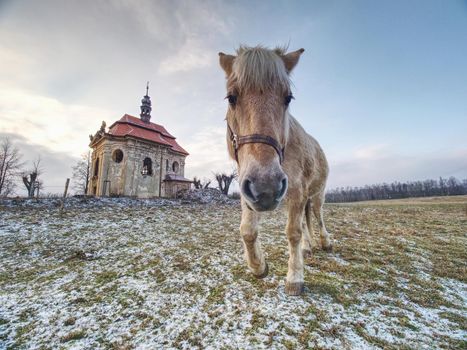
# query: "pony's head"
(258, 92)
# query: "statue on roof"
(99, 133)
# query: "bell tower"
(146, 106)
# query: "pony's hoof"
(306, 253)
(328, 248)
(265, 272)
(294, 288)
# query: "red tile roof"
(132, 126)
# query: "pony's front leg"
(294, 284)
(249, 232)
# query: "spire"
(146, 106)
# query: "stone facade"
(136, 158)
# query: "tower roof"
(146, 106)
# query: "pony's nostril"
(283, 188)
(247, 190)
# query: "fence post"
(62, 203)
(66, 187)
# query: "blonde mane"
(259, 68)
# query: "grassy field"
(130, 275)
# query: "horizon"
(381, 86)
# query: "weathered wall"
(125, 178)
(136, 184)
(168, 161)
(172, 188)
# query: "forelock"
(259, 68)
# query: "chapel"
(136, 158)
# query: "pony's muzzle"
(264, 194)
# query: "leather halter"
(237, 141)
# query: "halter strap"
(237, 141)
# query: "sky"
(382, 85)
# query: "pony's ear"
(226, 62)
(291, 59)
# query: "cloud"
(370, 152)
(154, 18)
(192, 55)
(56, 165)
(48, 122)
(375, 164)
(208, 153)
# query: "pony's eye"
(288, 98)
(232, 99)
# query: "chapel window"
(96, 167)
(147, 166)
(175, 167)
(117, 156)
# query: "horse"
(276, 158)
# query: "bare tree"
(224, 180)
(397, 190)
(206, 183)
(10, 164)
(31, 177)
(201, 184)
(81, 173)
(197, 183)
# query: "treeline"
(396, 190)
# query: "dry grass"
(122, 278)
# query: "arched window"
(175, 167)
(117, 156)
(96, 167)
(167, 168)
(147, 166)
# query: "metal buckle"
(235, 141)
